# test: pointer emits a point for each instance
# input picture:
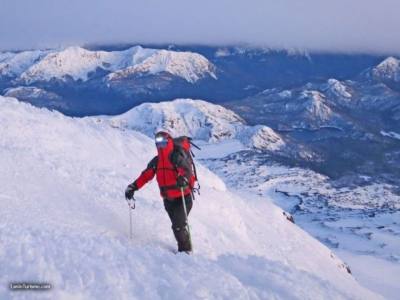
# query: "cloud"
(327, 25)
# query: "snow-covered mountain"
(338, 120)
(388, 70)
(336, 88)
(196, 118)
(347, 105)
(14, 64)
(190, 66)
(64, 221)
(200, 120)
(111, 82)
(300, 108)
(74, 62)
(79, 64)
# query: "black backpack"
(184, 145)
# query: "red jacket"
(167, 166)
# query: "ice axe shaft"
(130, 224)
(186, 218)
(131, 206)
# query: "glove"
(182, 182)
(130, 191)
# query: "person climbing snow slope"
(175, 173)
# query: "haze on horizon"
(365, 26)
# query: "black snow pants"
(174, 208)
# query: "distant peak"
(389, 69)
(337, 88)
(389, 62)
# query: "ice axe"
(131, 206)
(186, 218)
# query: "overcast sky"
(329, 25)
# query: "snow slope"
(63, 220)
(78, 63)
(200, 120)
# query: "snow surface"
(78, 63)
(63, 220)
(200, 120)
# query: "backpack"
(184, 144)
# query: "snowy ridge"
(389, 69)
(198, 119)
(190, 66)
(14, 64)
(79, 63)
(308, 107)
(261, 137)
(337, 88)
(314, 105)
(63, 220)
(75, 62)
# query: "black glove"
(182, 182)
(130, 191)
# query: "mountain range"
(312, 100)
(111, 80)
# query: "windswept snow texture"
(79, 63)
(63, 220)
(200, 120)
